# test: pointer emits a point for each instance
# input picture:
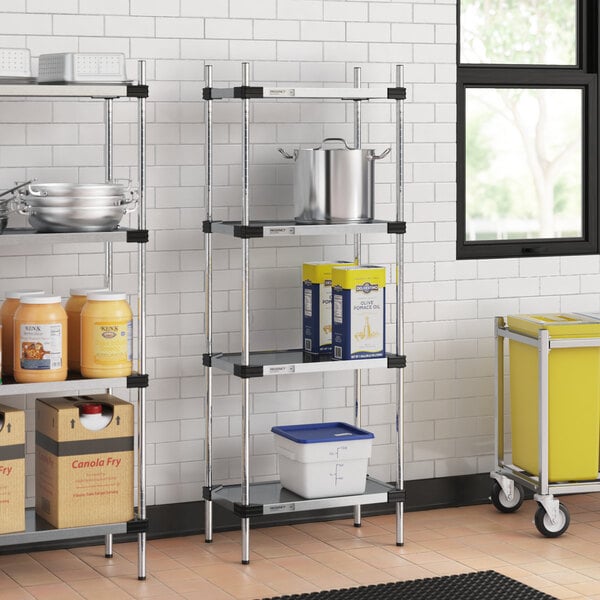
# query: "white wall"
(450, 305)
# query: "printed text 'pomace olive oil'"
(358, 312)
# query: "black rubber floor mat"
(483, 585)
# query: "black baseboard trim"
(187, 518)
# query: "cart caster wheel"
(546, 527)
(502, 503)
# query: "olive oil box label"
(316, 306)
(358, 312)
(12, 469)
(83, 477)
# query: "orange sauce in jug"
(7, 315)
(40, 340)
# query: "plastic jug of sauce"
(7, 314)
(73, 308)
(40, 340)
(106, 335)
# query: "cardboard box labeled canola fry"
(83, 477)
(358, 312)
(12, 469)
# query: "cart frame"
(507, 474)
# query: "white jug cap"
(86, 291)
(20, 293)
(107, 296)
(40, 300)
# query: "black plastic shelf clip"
(138, 236)
(396, 227)
(396, 93)
(137, 91)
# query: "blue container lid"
(313, 433)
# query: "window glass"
(523, 167)
(528, 32)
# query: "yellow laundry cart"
(554, 386)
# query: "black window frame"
(583, 75)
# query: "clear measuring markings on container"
(106, 336)
(40, 340)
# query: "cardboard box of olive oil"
(316, 306)
(83, 477)
(12, 469)
(358, 312)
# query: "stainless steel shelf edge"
(40, 531)
(285, 362)
(276, 499)
(13, 237)
(79, 90)
(79, 384)
(291, 228)
(302, 93)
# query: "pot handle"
(25, 209)
(287, 154)
(17, 187)
(333, 139)
(382, 155)
(31, 192)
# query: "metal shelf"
(17, 236)
(242, 498)
(76, 384)
(270, 497)
(74, 90)
(258, 229)
(285, 362)
(38, 530)
(306, 93)
(73, 383)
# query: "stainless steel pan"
(76, 189)
(64, 219)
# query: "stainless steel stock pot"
(333, 185)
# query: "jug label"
(41, 346)
(112, 342)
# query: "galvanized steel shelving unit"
(37, 530)
(247, 500)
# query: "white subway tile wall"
(449, 307)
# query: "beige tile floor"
(314, 556)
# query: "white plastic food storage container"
(320, 460)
